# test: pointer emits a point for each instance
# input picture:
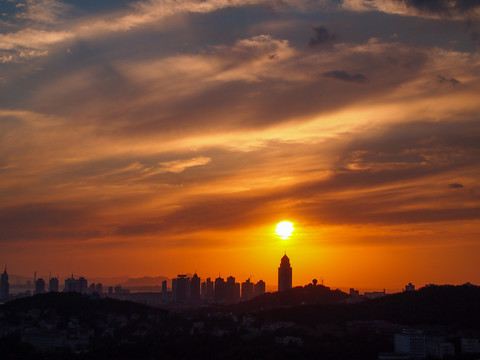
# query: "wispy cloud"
(178, 166)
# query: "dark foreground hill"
(75, 304)
(304, 323)
(455, 306)
(298, 296)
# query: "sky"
(162, 137)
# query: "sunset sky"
(161, 137)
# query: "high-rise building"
(195, 288)
(53, 284)
(76, 285)
(82, 285)
(39, 286)
(70, 285)
(259, 288)
(230, 289)
(174, 289)
(203, 290)
(237, 294)
(219, 289)
(99, 288)
(164, 287)
(284, 274)
(209, 289)
(4, 286)
(91, 288)
(182, 288)
(247, 290)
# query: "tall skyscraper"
(39, 286)
(195, 289)
(69, 284)
(53, 284)
(82, 285)
(182, 288)
(99, 288)
(284, 274)
(76, 285)
(259, 288)
(230, 289)
(4, 286)
(203, 290)
(219, 289)
(209, 289)
(247, 290)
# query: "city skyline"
(154, 137)
(185, 290)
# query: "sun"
(284, 229)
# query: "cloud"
(46, 222)
(443, 7)
(44, 11)
(443, 79)
(344, 76)
(31, 39)
(455, 186)
(178, 166)
(321, 36)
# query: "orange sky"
(163, 137)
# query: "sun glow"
(284, 229)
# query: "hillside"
(456, 306)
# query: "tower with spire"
(284, 274)
(4, 286)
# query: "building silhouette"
(70, 285)
(209, 286)
(284, 274)
(259, 288)
(182, 288)
(409, 287)
(247, 290)
(39, 286)
(220, 287)
(231, 290)
(99, 288)
(195, 289)
(53, 284)
(76, 285)
(91, 289)
(4, 286)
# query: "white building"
(440, 349)
(470, 346)
(412, 342)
